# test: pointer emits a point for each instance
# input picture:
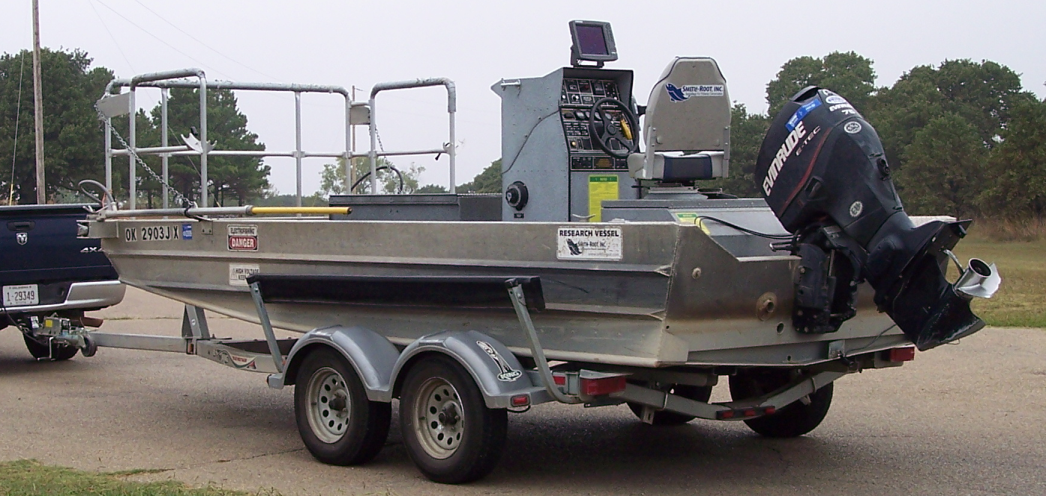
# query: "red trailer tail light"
(520, 400)
(905, 354)
(602, 385)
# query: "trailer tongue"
(603, 276)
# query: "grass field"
(1021, 300)
(30, 478)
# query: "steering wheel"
(605, 128)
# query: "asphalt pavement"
(962, 419)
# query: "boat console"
(571, 139)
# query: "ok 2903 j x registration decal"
(163, 232)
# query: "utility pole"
(38, 107)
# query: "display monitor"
(593, 42)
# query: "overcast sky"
(348, 43)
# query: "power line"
(180, 30)
(106, 27)
(18, 111)
(157, 38)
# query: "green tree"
(944, 168)
(232, 179)
(488, 181)
(432, 188)
(1018, 165)
(959, 97)
(333, 179)
(73, 137)
(746, 136)
(846, 73)
(983, 94)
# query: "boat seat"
(686, 128)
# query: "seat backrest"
(689, 108)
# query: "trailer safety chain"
(178, 196)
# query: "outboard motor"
(823, 172)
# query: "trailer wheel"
(449, 432)
(696, 393)
(60, 353)
(337, 423)
(793, 420)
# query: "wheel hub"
(329, 405)
(440, 419)
(449, 416)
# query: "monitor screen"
(591, 40)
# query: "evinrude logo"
(782, 155)
(22, 238)
(682, 93)
(506, 372)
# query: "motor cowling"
(823, 172)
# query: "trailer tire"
(337, 423)
(39, 351)
(449, 432)
(791, 421)
(666, 418)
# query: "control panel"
(576, 100)
(566, 136)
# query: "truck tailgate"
(39, 245)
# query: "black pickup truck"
(50, 277)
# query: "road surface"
(965, 419)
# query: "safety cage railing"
(115, 103)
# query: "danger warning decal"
(243, 238)
(588, 243)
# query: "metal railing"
(355, 113)
(448, 148)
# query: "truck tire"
(449, 432)
(336, 421)
(666, 418)
(60, 353)
(791, 421)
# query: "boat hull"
(671, 295)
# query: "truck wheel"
(337, 423)
(793, 420)
(38, 350)
(696, 393)
(449, 432)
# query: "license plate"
(20, 296)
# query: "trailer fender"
(495, 369)
(370, 354)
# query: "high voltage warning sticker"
(238, 273)
(588, 243)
